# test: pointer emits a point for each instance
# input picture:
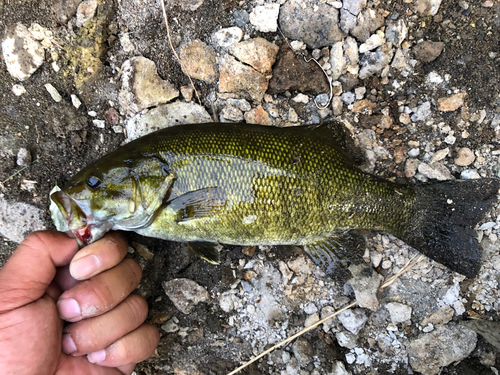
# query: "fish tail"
(443, 226)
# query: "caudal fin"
(443, 227)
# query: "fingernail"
(68, 345)
(97, 357)
(68, 308)
(85, 267)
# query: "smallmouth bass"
(240, 184)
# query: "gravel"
(413, 83)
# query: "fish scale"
(254, 171)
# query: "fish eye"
(93, 182)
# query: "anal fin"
(206, 250)
(335, 251)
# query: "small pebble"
(53, 92)
(465, 157)
(18, 90)
(23, 157)
(101, 124)
(76, 101)
(469, 174)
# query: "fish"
(248, 185)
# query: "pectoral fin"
(197, 204)
(206, 250)
(335, 250)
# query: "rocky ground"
(415, 81)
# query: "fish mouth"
(79, 222)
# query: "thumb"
(32, 266)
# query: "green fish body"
(239, 184)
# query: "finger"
(80, 365)
(132, 348)
(101, 293)
(127, 369)
(32, 267)
(99, 256)
(93, 334)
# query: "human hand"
(106, 334)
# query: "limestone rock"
(198, 61)
(258, 53)
(369, 21)
(365, 283)
(337, 60)
(446, 344)
(142, 87)
(65, 9)
(265, 17)
(436, 171)
(227, 37)
(428, 51)
(399, 312)
(185, 294)
(465, 157)
(427, 7)
(18, 219)
(86, 10)
(318, 26)
(353, 320)
(258, 116)
(164, 116)
(351, 54)
(451, 103)
(374, 62)
(354, 6)
(292, 73)
(23, 55)
(241, 79)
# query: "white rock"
(353, 320)
(101, 124)
(428, 7)
(337, 60)
(127, 45)
(422, 112)
(414, 152)
(469, 174)
(301, 98)
(338, 368)
(450, 139)
(375, 62)
(23, 157)
(360, 92)
(487, 225)
(53, 92)
(228, 36)
(18, 219)
(374, 41)
(86, 11)
(18, 90)
(396, 32)
(399, 312)
(265, 17)
(351, 55)
(435, 171)
(164, 116)
(354, 6)
(76, 101)
(440, 155)
(23, 55)
(185, 294)
(365, 283)
(142, 87)
(445, 345)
